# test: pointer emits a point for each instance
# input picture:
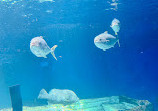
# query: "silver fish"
(39, 47)
(115, 25)
(105, 41)
(41, 1)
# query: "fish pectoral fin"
(115, 33)
(104, 49)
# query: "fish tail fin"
(53, 49)
(118, 42)
(106, 32)
(43, 94)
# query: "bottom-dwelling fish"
(58, 96)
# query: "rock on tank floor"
(114, 103)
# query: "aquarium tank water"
(71, 51)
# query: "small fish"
(58, 96)
(114, 4)
(115, 25)
(113, 0)
(105, 41)
(41, 1)
(49, 11)
(39, 47)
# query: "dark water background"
(130, 70)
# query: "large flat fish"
(39, 47)
(105, 41)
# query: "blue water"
(130, 70)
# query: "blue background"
(130, 70)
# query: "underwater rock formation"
(114, 103)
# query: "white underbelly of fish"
(104, 46)
(39, 52)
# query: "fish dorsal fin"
(106, 32)
(41, 37)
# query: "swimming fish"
(58, 96)
(115, 25)
(41, 1)
(39, 47)
(105, 41)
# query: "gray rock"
(114, 103)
